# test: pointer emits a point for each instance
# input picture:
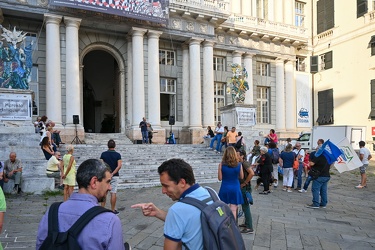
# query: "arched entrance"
(101, 93)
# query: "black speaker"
(171, 120)
(75, 119)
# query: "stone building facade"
(111, 70)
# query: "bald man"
(13, 170)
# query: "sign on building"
(149, 10)
(16, 107)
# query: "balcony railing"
(213, 5)
(254, 23)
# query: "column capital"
(249, 55)
(154, 34)
(137, 31)
(280, 60)
(72, 21)
(52, 19)
(195, 41)
(237, 53)
(208, 43)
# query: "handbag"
(249, 198)
(314, 173)
(224, 139)
(296, 162)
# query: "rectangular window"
(325, 107)
(372, 112)
(372, 45)
(361, 8)
(167, 98)
(167, 57)
(219, 99)
(300, 64)
(300, 14)
(263, 106)
(326, 61)
(34, 86)
(325, 15)
(263, 69)
(219, 63)
(262, 11)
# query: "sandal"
(360, 186)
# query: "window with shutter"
(313, 64)
(325, 107)
(325, 15)
(372, 112)
(328, 64)
(361, 7)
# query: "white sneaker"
(302, 191)
(289, 191)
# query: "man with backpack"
(185, 224)
(273, 151)
(103, 231)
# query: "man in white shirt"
(300, 153)
(54, 168)
(364, 156)
(219, 131)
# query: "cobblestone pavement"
(281, 220)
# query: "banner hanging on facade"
(303, 89)
(15, 107)
(149, 10)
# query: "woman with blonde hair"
(69, 176)
(230, 172)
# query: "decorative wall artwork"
(15, 60)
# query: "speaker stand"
(76, 139)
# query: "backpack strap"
(201, 204)
(86, 218)
(53, 220)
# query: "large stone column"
(185, 86)
(236, 6)
(280, 92)
(129, 72)
(153, 78)
(278, 5)
(254, 8)
(195, 84)
(248, 64)
(246, 7)
(237, 57)
(208, 84)
(271, 10)
(73, 90)
(290, 90)
(53, 68)
(138, 76)
(288, 12)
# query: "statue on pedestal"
(238, 85)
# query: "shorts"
(114, 183)
(362, 169)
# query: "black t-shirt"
(111, 157)
(321, 164)
(143, 126)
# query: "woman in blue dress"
(230, 172)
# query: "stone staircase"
(140, 162)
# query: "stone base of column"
(158, 136)
(68, 134)
(196, 135)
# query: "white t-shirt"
(365, 152)
(301, 152)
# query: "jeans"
(223, 144)
(320, 187)
(17, 176)
(246, 209)
(145, 136)
(307, 182)
(217, 138)
(300, 172)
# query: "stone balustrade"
(213, 5)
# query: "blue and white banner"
(352, 160)
(303, 100)
(149, 10)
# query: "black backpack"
(275, 155)
(67, 240)
(238, 144)
(219, 228)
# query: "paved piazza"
(281, 220)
